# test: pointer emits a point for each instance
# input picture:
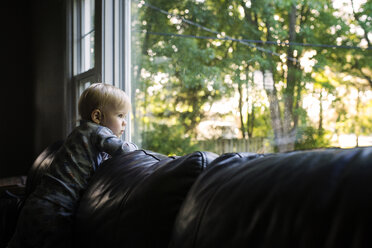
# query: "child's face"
(115, 120)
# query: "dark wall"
(49, 30)
(17, 89)
(33, 71)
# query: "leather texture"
(319, 198)
(40, 166)
(132, 200)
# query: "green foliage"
(308, 137)
(168, 140)
(198, 72)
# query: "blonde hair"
(102, 96)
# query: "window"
(115, 44)
(86, 49)
(84, 36)
(259, 76)
(101, 35)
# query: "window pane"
(83, 85)
(87, 35)
(88, 16)
(88, 52)
(260, 76)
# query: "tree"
(192, 55)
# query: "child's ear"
(96, 116)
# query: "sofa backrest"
(40, 166)
(132, 200)
(320, 198)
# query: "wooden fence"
(220, 146)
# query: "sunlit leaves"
(205, 51)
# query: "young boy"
(46, 220)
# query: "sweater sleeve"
(106, 141)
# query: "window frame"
(116, 49)
(112, 48)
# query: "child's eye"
(121, 115)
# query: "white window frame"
(79, 78)
(112, 50)
(116, 48)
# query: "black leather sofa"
(318, 198)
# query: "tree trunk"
(250, 116)
(271, 92)
(250, 122)
(242, 128)
(320, 127)
(288, 121)
(276, 120)
(357, 120)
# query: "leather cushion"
(40, 166)
(132, 200)
(319, 198)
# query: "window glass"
(88, 52)
(83, 86)
(251, 76)
(87, 35)
(83, 51)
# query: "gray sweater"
(84, 150)
(47, 217)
